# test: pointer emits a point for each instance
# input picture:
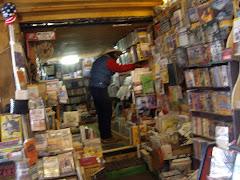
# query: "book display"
(176, 111)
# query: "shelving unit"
(233, 68)
(77, 88)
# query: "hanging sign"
(41, 36)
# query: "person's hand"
(138, 65)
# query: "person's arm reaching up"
(115, 67)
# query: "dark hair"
(111, 54)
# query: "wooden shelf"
(211, 88)
(208, 64)
(212, 116)
(205, 137)
(61, 177)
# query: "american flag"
(9, 12)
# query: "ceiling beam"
(89, 13)
(70, 1)
(60, 7)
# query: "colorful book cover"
(71, 117)
(216, 51)
(195, 36)
(147, 84)
(211, 31)
(191, 3)
(207, 53)
(185, 132)
(195, 55)
(31, 151)
(205, 13)
(41, 141)
(193, 14)
(152, 102)
(197, 78)
(182, 59)
(51, 167)
(93, 147)
(66, 163)
(11, 128)
(159, 86)
(33, 92)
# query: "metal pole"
(12, 42)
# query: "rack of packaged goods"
(77, 92)
(209, 97)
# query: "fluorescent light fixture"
(72, 59)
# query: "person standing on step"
(100, 77)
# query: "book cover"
(193, 14)
(172, 74)
(195, 35)
(198, 82)
(159, 86)
(152, 102)
(66, 163)
(41, 141)
(31, 151)
(224, 73)
(51, 167)
(195, 55)
(8, 170)
(142, 106)
(52, 98)
(164, 65)
(147, 84)
(216, 51)
(71, 117)
(191, 3)
(182, 59)
(205, 13)
(93, 147)
(33, 92)
(227, 54)
(211, 31)
(207, 53)
(11, 128)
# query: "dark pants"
(103, 107)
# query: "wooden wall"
(7, 87)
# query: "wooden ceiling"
(89, 40)
(39, 10)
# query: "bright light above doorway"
(71, 59)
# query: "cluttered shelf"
(174, 6)
(211, 88)
(213, 116)
(205, 137)
(46, 154)
(208, 64)
(60, 177)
